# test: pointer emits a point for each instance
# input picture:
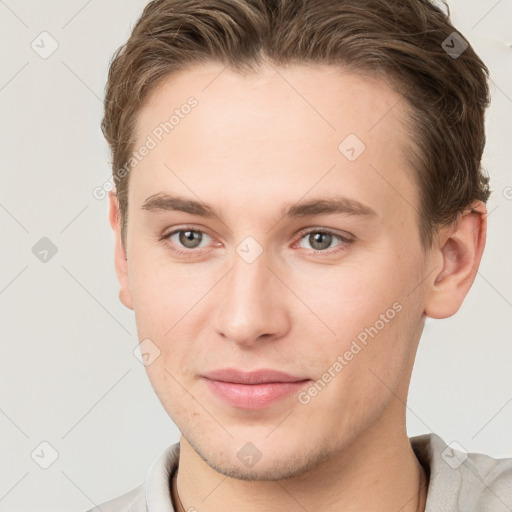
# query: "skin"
(253, 144)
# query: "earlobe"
(460, 248)
(125, 297)
(120, 257)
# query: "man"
(298, 186)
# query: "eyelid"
(319, 229)
(345, 239)
(184, 227)
(167, 235)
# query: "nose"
(251, 303)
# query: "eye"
(321, 239)
(186, 238)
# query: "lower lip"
(254, 396)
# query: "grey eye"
(319, 240)
(188, 238)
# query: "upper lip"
(254, 377)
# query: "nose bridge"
(250, 305)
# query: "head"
(224, 120)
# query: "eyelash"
(346, 241)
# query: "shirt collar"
(449, 483)
(158, 479)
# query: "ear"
(120, 257)
(458, 251)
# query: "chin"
(268, 464)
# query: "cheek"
(361, 372)
(343, 300)
(169, 300)
(165, 292)
(365, 323)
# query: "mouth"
(253, 390)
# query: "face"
(306, 260)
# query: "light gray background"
(68, 373)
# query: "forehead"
(281, 133)
(330, 99)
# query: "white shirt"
(459, 482)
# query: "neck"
(376, 471)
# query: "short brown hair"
(404, 41)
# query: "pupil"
(319, 238)
(190, 236)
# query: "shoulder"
(154, 493)
(133, 501)
(463, 481)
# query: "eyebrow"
(323, 206)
